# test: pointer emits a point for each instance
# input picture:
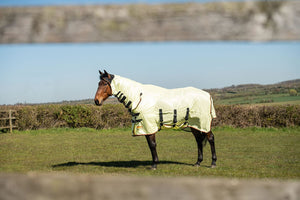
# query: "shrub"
(262, 116)
(27, 118)
(117, 116)
(75, 116)
(293, 92)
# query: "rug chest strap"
(116, 95)
(128, 104)
(136, 120)
(119, 97)
(135, 114)
(123, 99)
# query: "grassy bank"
(270, 99)
(242, 153)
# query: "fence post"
(10, 121)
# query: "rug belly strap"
(175, 118)
(161, 120)
(187, 116)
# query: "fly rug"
(154, 108)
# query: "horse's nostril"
(97, 102)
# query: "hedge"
(115, 115)
(259, 116)
(73, 116)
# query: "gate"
(7, 119)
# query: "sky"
(40, 73)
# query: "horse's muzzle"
(98, 103)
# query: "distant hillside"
(281, 87)
(256, 93)
(249, 20)
(110, 100)
(240, 94)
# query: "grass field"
(242, 153)
(262, 99)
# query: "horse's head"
(104, 88)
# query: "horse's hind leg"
(211, 140)
(152, 145)
(199, 139)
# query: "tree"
(293, 92)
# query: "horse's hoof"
(197, 164)
(153, 167)
(213, 166)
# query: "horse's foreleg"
(199, 139)
(211, 140)
(152, 145)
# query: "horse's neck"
(129, 88)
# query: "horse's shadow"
(121, 164)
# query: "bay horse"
(154, 108)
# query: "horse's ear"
(107, 74)
(100, 72)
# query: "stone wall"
(61, 186)
(255, 21)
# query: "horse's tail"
(212, 108)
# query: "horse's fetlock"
(154, 166)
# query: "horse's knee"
(152, 144)
(210, 136)
(151, 141)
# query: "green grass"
(261, 99)
(242, 153)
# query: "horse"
(154, 108)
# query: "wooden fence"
(7, 119)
